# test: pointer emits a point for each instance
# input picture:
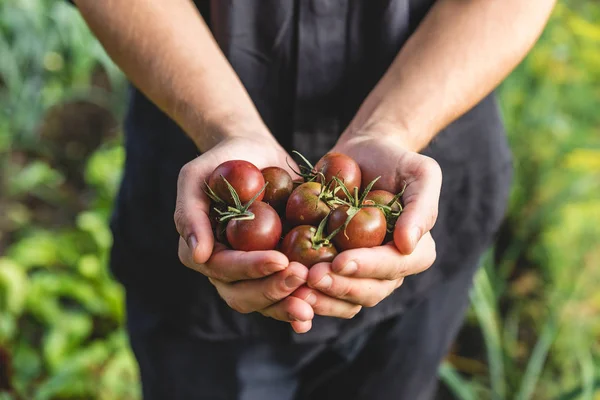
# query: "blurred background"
(533, 327)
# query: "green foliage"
(61, 313)
(534, 318)
(535, 302)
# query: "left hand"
(364, 277)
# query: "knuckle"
(215, 274)
(396, 272)
(352, 311)
(179, 218)
(272, 296)
(239, 306)
(432, 167)
(431, 255)
(371, 301)
(186, 172)
(345, 291)
(398, 283)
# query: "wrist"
(208, 130)
(381, 130)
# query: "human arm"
(168, 52)
(458, 54)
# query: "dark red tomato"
(366, 229)
(218, 227)
(279, 188)
(297, 246)
(342, 166)
(213, 217)
(261, 233)
(382, 197)
(304, 206)
(245, 178)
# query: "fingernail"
(311, 299)
(293, 281)
(192, 242)
(273, 267)
(349, 269)
(325, 282)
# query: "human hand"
(248, 281)
(364, 277)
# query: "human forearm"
(460, 52)
(168, 52)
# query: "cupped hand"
(248, 281)
(364, 277)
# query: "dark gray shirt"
(308, 65)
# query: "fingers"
(325, 305)
(191, 210)
(385, 262)
(423, 178)
(290, 309)
(232, 265)
(258, 294)
(363, 291)
(301, 326)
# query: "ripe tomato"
(261, 233)
(217, 226)
(342, 166)
(279, 188)
(304, 207)
(383, 197)
(245, 178)
(366, 229)
(300, 245)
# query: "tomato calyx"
(317, 239)
(307, 170)
(239, 211)
(354, 202)
(392, 210)
(309, 173)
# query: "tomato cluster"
(309, 219)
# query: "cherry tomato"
(342, 166)
(304, 206)
(261, 233)
(383, 197)
(298, 246)
(366, 229)
(279, 188)
(243, 176)
(217, 226)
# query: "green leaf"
(33, 176)
(97, 226)
(460, 388)
(13, 287)
(483, 302)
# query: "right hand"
(248, 281)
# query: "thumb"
(421, 199)
(191, 215)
